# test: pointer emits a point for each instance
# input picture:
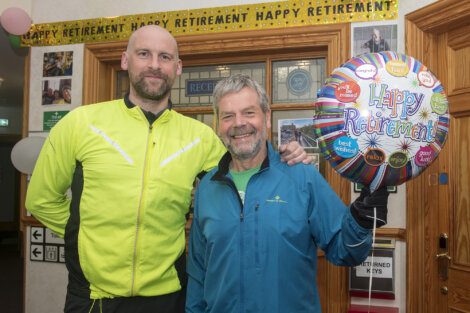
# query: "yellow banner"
(213, 20)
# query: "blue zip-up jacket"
(262, 256)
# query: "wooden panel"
(322, 282)
(460, 105)
(459, 38)
(308, 37)
(97, 77)
(442, 16)
(461, 254)
(459, 69)
(459, 294)
(396, 233)
(338, 295)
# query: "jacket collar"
(224, 164)
(149, 115)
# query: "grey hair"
(234, 84)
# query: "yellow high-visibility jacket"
(131, 188)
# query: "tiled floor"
(11, 275)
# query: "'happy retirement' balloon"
(381, 118)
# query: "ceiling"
(12, 71)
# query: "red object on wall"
(374, 294)
(358, 308)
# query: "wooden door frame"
(423, 28)
(99, 57)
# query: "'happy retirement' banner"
(213, 20)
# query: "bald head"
(151, 32)
(152, 62)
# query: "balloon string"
(372, 258)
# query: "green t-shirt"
(241, 179)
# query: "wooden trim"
(207, 109)
(395, 233)
(441, 16)
(306, 38)
(26, 75)
(24, 219)
(99, 58)
(97, 76)
(459, 105)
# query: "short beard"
(142, 89)
(245, 155)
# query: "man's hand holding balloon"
(362, 209)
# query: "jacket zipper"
(242, 290)
(137, 226)
(242, 264)
(256, 235)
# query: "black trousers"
(170, 303)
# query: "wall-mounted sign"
(46, 246)
(382, 269)
(4, 122)
(200, 87)
(51, 118)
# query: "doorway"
(11, 259)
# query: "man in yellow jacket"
(131, 164)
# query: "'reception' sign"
(381, 118)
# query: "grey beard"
(245, 155)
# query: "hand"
(362, 209)
(294, 153)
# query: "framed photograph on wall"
(298, 129)
(57, 63)
(374, 37)
(56, 91)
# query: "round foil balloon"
(381, 118)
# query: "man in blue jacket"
(258, 223)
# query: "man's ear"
(124, 61)
(268, 118)
(179, 67)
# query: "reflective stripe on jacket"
(124, 228)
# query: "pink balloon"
(15, 21)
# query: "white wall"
(23, 4)
(73, 10)
(46, 283)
